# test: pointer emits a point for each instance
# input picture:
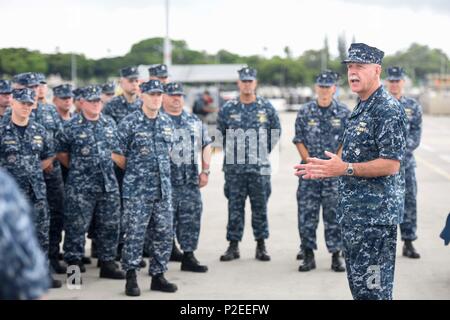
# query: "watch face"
(350, 171)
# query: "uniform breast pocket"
(142, 146)
(11, 153)
(37, 147)
(84, 148)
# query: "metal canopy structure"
(199, 73)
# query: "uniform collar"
(332, 108)
(11, 126)
(83, 119)
(369, 103)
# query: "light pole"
(167, 44)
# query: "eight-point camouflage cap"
(63, 91)
(152, 86)
(129, 72)
(159, 70)
(5, 86)
(364, 54)
(395, 73)
(247, 73)
(174, 88)
(25, 95)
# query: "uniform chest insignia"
(236, 117)
(83, 135)
(37, 138)
(357, 151)
(85, 151)
(49, 118)
(142, 134)
(362, 127)
(262, 116)
(408, 112)
(9, 142)
(312, 123)
(167, 131)
(144, 151)
(11, 158)
(336, 122)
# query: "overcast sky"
(102, 28)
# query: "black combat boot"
(54, 283)
(232, 252)
(261, 253)
(86, 260)
(110, 270)
(308, 261)
(159, 283)
(176, 254)
(131, 287)
(58, 267)
(94, 249)
(301, 254)
(409, 251)
(337, 264)
(190, 263)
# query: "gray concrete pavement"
(246, 278)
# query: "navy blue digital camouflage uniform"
(190, 136)
(64, 91)
(23, 267)
(91, 183)
(147, 191)
(370, 209)
(413, 110)
(46, 115)
(21, 156)
(118, 108)
(247, 169)
(319, 129)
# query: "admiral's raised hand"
(318, 168)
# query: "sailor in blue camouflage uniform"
(159, 72)
(408, 228)
(63, 100)
(250, 128)
(23, 267)
(319, 127)
(42, 88)
(191, 141)
(77, 99)
(25, 150)
(85, 148)
(146, 138)
(108, 91)
(372, 180)
(46, 115)
(127, 102)
(5, 96)
(118, 108)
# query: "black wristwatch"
(350, 171)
